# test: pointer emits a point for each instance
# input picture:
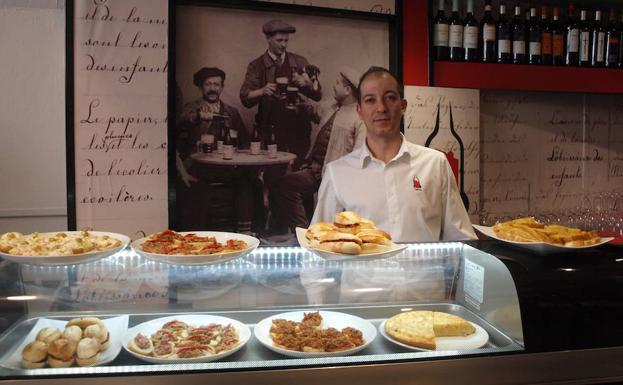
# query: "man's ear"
(358, 109)
(404, 106)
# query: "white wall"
(32, 116)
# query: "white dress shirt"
(414, 196)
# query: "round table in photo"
(244, 158)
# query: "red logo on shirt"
(416, 184)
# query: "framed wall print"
(263, 96)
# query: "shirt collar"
(274, 57)
(366, 156)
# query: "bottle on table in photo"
(598, 37)
(220, 135)
(558, 39)
(534, 38)
(547, 53)
(256, 141)
(518, 33)
(228, 145)
(487, 36)
(271, 144)
(585, 39)
(572, 37)
(503, 32)
(440, 33)
(207, 143)
(613, 42)
(470, 33)
(457, 53)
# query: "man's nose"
(380, 106)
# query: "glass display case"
(126, 291)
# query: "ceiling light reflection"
(21, 298)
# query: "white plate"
(473, 341)
(117, 327)
(331, 256)
(329, 319)
(60, 260)
(150, 327)
(202, 259)
(538, 247)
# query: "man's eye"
(369, 100)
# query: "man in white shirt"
(406, 189)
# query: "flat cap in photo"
(207, 72)
(274, 26)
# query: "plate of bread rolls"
(81, 341)
(348, 237)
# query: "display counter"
(544, 318)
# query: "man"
(291, 125)
(407, 189)
(339, 132)
(210, 115)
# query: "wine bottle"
(519, 37)
(534, 38)
(503, 29)
(256, 141)
(598, 37)
(572, 37)
(271, 145)
(228, 146)
(470, 33)
(546, 38)
(585, 40)
(487, 35)
(558, 39)
(457, 53)
(440, 33)
(613, 42)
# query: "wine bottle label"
(613, 49)
(573, 40)
(440, 35)
(456, 36)
(535, 48)
(219, 146)
(584, 46)
(546, 43)
(470, 37)
(272, 150)
(504, 46)
(228, 151)
(488, 32)
(519, 47)
(255, 148)
(557, 43)
(601, 40)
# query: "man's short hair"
(350, 83)
(207, 72)
(379, 71)
(272, 27)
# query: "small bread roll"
(73, 333)
(374, 236)
(318, 227)
(347, 218)
(56, 363)
(369, 248)
(35, 352)
(62, 349)
(366, 224)
(32, 365)
(340, 247)
(90, 361)
(84, 322)
(48, 335)
(87, 348)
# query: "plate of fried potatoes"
(531, 234)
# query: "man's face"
(381, 107)
(278, 43)
(340, 90)
(212, 88)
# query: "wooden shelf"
(527, 77)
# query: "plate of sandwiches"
(186, 339)
(322, 333)
(433, 330)
(83, 341)
(348, 237)
(195, 248)
(528, 233)
(60, 248)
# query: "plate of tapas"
(195, 248)
(432, 330)
(528, 233)
(60, 248)
(186, 338)
(322, 333)
(349, 237)
(82, 341)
